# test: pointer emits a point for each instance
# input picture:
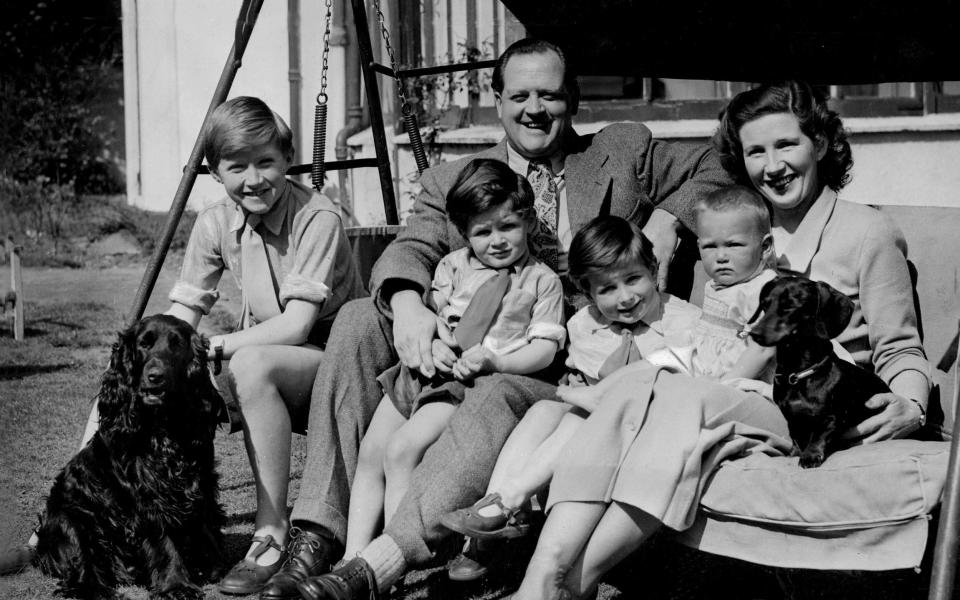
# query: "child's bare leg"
(406, 448)
(538, 471)
(366, 495)
(566, 532)
(540, 421)
(270, 383)
(622, 530)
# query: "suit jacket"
(620, 170)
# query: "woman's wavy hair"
(806, 103)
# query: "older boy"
(286, 247)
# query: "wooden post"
(16, 284)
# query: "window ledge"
(685, 129)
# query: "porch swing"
(608, 45)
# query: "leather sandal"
(510, 523)
(247, 577)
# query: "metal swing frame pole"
(374, 109)
(247, 18)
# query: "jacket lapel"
(588, 186)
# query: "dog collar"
(793, 378)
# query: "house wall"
(175, 51)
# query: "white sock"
(385, 558)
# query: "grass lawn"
(47, 383)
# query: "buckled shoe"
(247, 577)
(510, 523)
(308, 554)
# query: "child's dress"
(719, 337)
(594, 338)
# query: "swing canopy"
(823, 41)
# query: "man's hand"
(443, 356)
(661, 229)
(473, 362)
(414, 326)
(900, 417)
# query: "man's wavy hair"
(535, 46)
(803, 101)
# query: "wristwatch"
(923, 411)
(217, 356)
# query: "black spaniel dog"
(139, 503)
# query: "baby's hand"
(586, 397)
(443, 356)
(473, 362)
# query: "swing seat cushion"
(865, 508)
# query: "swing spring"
(410, 123)
(318, 166)
(416, 142)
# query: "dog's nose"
(154, 375)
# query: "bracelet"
(218, 357)
(923, 411)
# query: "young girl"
(627, 320)
(492, 207)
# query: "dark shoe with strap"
(353, 581)
(247, 577)
(308, 554)
(510, 523)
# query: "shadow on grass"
(11, 372)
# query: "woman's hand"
(443, 356)
(414, 326)
(899, 418)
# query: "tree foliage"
(59, 61)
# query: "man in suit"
(621, 170)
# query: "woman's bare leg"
(564, 536)
(619, 533)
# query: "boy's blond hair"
(239, 124)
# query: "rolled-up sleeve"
(318, 240)
(546, 320)
(202, 266)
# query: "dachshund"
(138, 505)
(820, 395)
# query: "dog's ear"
(764, 300)
(835, 309)
(198, 374)
(118, 385)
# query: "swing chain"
(322, 96)
(385, 33)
